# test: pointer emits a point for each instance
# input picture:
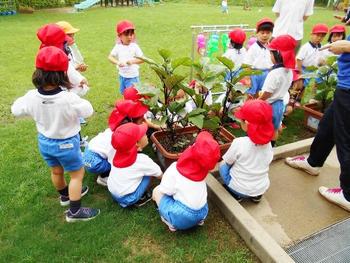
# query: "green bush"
(46, 3)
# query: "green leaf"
(196, 112)
(185, 61)
(212, 123)
(311, 68)
(162, 74)
(172, 80)
(148, 60)
(331, 60)
(197, 120)
(227, 62)
(165, 54)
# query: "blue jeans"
(127, 82)
(180, 216)
(61, 152)
(132, 198)
(95, 163)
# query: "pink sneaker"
(335, 195)
(170, 226)
(301, 163)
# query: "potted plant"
(327, 78)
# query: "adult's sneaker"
(83, 214)
(102, 180)
(335, 195)
(147, 196)
(64, 200)
(300, 162)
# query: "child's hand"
(121, 64)
(83, 82)
(129, 62)
(82, 67)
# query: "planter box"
(166, 158)
(312, 116)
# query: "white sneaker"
(170, 226)
(335, 195)
(102, 180)
(300, 162)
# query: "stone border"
(256, 238)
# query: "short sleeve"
(138, 51)
(168, 183)
(114, 51)
(149, 167)
(271, 82)
(302, 53)
(309, 8)
(248, 59)
(230, 157)
(277, 7)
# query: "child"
(280, 78)
(131, 172)
(124, 54)
(181, 196)
(337, 32)
(224, 6)
(245, 165)
(75, 55)
(236, 52)
(100, 147)
(56, 113)
(258, 56)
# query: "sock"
(64, 191)
(273, 143)
(346, 196)
(75, 206)
(105, 174)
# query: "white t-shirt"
(290, 20)
(75, 78)
(123, 181)
(309, 55)
(250, 167)
(236, 56)
(190, 193)
(56, 116)
(258, 57)
(101, 144)
(125, 53)
(277, 82)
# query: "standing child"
(280, 78)
(245, 165)
(181, 196)
(337, 32)
(224, 6)
(131, 171)
(258, 56)
(124, 54)
(236, 52)
(56, 112)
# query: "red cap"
(124, 25)
(286, 44)
(320, 29)
(258, 114)
(264, 21)
(51, 59)
(198, 159)
(131, 93)
(338, 29)
(51, 35)
(124, 140)
(123, 109)
(237, 36)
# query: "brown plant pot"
(312, 116)
(166, 158)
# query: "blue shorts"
(224, 171)
(132, 198)
(179, 215)
(127, 82)
(61, 152)
(95, 163)
(307, 81)
(257, 82)
(277, 113)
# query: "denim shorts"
(61, 152)
(132, 198)
(127, 82)
(257, 82)
(277, 113)
(179, 215)
(95, 163)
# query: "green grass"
(32, 222)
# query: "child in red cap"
(337, 32)
(279, 79)
(124, 54)
(131, 171)
(258, 56)
(245, 165)
(100, 147)
(181, 196)
(55, 112)
(236, 52)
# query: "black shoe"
(147, 196)
(238, 198)
(64, 200)
(83, 214)
(256, 199)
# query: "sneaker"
(170, 226)
(201, 223)
(84, 142)
(256, 199)
(102, 180)
(335, 195)
(83, 214)
(238, 198)
(147, 196)
(64, 200)
(300, 162)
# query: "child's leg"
(57, 178)
(157, 195)
(74, 189)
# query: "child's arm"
(113, 60)
(265, 95)
(134, 61)
(82, 107)
(19, 107)
(299, 65)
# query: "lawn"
(32, 222)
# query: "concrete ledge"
(256, 238)
(292, 149)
